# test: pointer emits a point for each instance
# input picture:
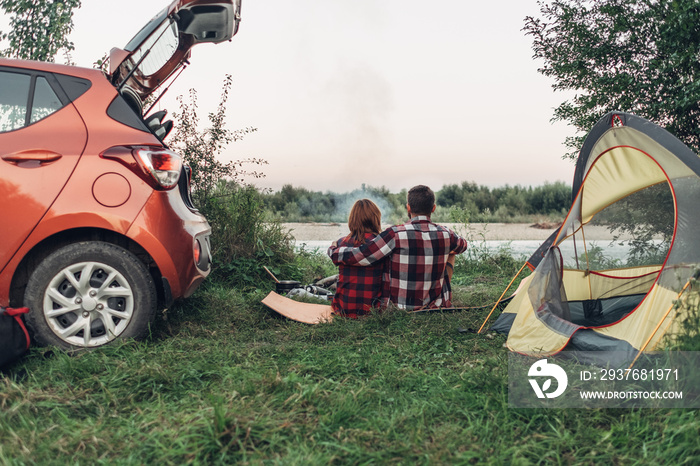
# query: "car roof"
(87, 73)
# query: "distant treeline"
(456, 203)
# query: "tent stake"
(658, 325)
(499, 299)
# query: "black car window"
(14, 99)
(28, 97)
(45, 100)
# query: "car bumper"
(177, 240)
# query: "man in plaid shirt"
(418, 253)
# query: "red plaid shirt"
(417, 252)
(359, 288)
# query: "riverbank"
(474, 231)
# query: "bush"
(688, 337)
(243, 240)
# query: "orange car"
(98, 228)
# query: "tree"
(638, 56)
(39, 28)
(201, 148)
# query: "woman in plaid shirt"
(359, 288)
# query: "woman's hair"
(365, 217)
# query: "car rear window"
(14, 100)
(28, 96)
(45, 100)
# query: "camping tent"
(640, 186)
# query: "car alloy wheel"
(88, 304)
(88, 294)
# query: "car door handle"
(37, 155)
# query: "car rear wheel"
(88, 294)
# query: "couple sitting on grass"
(408, 266)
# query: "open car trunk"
(164, 44)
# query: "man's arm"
(457, 244)
(367, 254)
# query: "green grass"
(223, 380)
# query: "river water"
(517, 248)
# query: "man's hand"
(450, 265)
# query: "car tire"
(89, 294)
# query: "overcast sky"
(384, 92)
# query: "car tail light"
(158, 166)
(197, 251)
(163, 165)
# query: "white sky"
(384, 92)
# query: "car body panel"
(162, 227)
(29, 186)
(77, 208)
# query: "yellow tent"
(609, 277)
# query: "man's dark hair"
(421, 199)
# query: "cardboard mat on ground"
(307, 313)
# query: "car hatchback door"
(41, 139)
(163, 46)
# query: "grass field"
(223, 380)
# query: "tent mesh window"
(611, 261)
(632, 232)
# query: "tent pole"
(588, 264)
(499, 299)
(658, 325)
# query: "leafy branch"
(201, 149)
(39, 29)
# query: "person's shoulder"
(409, 225)
(445, 229)
(441, 227)
(391, 230)
(346, 241)
(420, 223)
(369, 237)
